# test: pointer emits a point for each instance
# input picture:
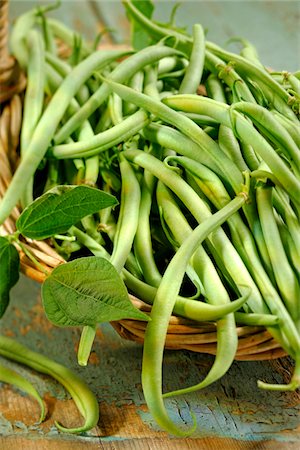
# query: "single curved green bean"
(193, 72)
(47, 125)
(34, 99)
(104, 140)
(81, 394)
(215, 88)
(8, 375)
(128, 217)
(136, 82)
(231, 147)
(285, 277)
(162, 308)
(143, 242)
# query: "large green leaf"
(9, 271)
(87, 291)
(60, 208)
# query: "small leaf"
(60, 208)
(87, 291)
(139, 37)
(9, 271)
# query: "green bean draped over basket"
(156, 188)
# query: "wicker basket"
(255, 343)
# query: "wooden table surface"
(232, 413)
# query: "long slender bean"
(81, 394)
(193, 72)
(103, 140)
(285, 277)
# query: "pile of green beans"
(208, 179)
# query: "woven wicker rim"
(255, 343)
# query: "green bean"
(33, 101)
(48, 36)
(136, 82)
(285, 277)
(63, 68)
(128, 216)
(230, 146)
(215, 88)
(125, 70)
(291, 127)
(245, 132)
(8, 375)
(193, 72)
(160, 314)
(81, 394)
(150, 87)
(251, 158)
(256, 320)
(292, 251)
(47, 125)
(142, 242)
(248, 51)
(115, 109)
(103, 140)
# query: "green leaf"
(139, 37)
(60, 208)
(9, 271)
(87, 291)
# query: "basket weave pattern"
(255, 343)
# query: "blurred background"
(272, 26)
